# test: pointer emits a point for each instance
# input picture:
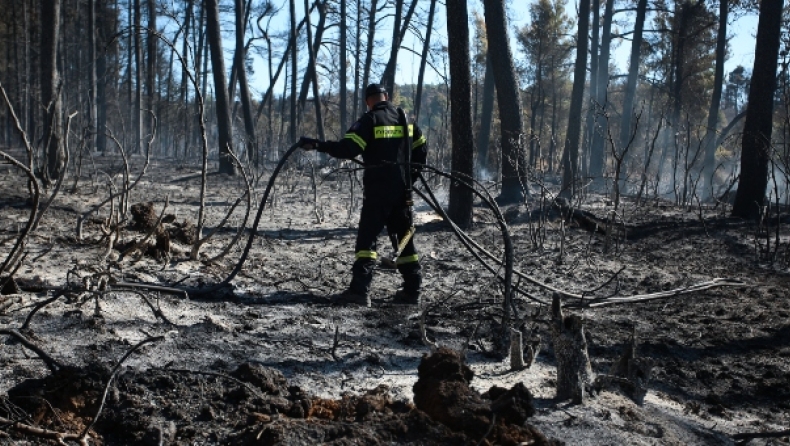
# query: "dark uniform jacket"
(377, 136)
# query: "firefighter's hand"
(416, 170)
(309, 143)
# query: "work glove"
(415, 171)
(309, 143)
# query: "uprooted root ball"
(442, 391)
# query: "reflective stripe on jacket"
(377, 136)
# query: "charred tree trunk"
(214, 35)
(514, 168)
(633, 75)
(709, 142)
(388, 78)
(460, 206)
(311, 77)
(150, 82)
(294, 59)
(426, 46)
(244, 88)
(597, 152)
(486, 116)
(184, 90)
(92, 125)
(357, 58)
(343, 64)
(50, 89)
(574, 372)
(399, 32)
(137, 108)
(369, 48)
(756, 145)
(570, 155)
(589, 127)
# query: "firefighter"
(378, 136)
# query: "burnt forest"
(602, 222)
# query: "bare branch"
(51, 362)
(109, 381)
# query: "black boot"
(358, 290)
(411, 293)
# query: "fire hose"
(507, 262)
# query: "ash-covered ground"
(276, 362)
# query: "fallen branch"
(752, 435)
(145, 286)
(41, 305)
(60, 437)
(157, 312)
(604, 301)
(53, 364)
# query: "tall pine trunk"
(709, 141)
(294, 59)
(184, 90)
(597, 152)
(460, 206)
(311, 76)
(151, 88)
(570, 154)
(224, 127)
(92, 126)
(244, 88)
(486, 116)
(369, 48)
(589, 128)
(508, 97)
(633, 74)
(50, 88)
(137, 111)
(343, 63)
(398, 33)
(426, 46)
(756, 143)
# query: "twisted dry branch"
(53, 364)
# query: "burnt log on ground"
(584, 219)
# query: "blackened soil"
(252, 405)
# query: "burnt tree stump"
(630, 373)
(574, 372)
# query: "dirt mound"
(63, 401)
(442, 391)
(255, 405)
